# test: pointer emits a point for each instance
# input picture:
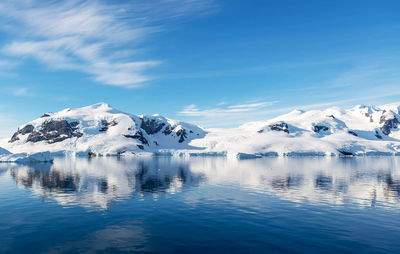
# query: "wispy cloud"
(236, 115)
(94, 37)
(17, 91)
(193, 110)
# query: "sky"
(210, 62)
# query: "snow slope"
(102, 130)
(361, 130)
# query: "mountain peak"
(103, 130)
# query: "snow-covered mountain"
(362, 130)
(101, 130)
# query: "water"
(201, 205)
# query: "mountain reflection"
(98, 182)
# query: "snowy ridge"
(362, 130)
(102, 130)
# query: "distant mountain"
(102, 130)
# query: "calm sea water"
(201, 205)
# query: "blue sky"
(215, 63)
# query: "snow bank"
(27, 158)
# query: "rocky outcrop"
(46, 115)
(25, 130)
(352, 133)
(50, 131)
(182, 135)
(378, 135)
(139, 136)
(318, 128)
(281, 126)
(168, 130)
(151, 126)
(388, 124)
(105, 125)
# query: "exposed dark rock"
(14, 138)
(35, 137)
(318, 128)
(139, 136)
(50, 131)
(74, 124)
(105, 125)
(25, 130)
(120, 153)
(332, 116)
(388, 124)
(260, 131)
(151, 126)
(378, 135)
(282, 126)
(346, 153)
(182, 135)
(370, 117)
(45, 115)
(353, 133)
(91, 154)
(155, 142)
(140, 147)
(168, 130)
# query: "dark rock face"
(50, 131)
(139, 136)
(151, 126)
(45, 115)
(346, 153)
(352, 133)
(25, 130)
(370, 117)
(378, 135)
(182, 135)
(168, 130)
(318, 128)
(55, 131)
(105, 125)
(388, 124)
(91, 154)
(282, 126)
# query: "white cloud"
(94, 37)
(193, 110)
(236, 115)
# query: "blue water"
(201, 205)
